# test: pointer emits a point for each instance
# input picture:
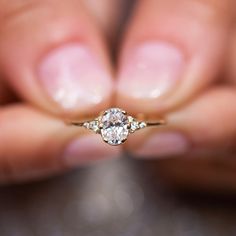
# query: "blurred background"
(124, 197)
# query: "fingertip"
(171, 53)
(44, 146)
(88, 149)
(73, 77)
(151, 71)
(66, 70)
(163, 145)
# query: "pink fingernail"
(88, 149)
(164, 145)
(151, 70)
(74, 77)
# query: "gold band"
(157, 123)
(115, 125)
(81, 124)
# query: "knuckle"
(11, 10)
(212, 10)
(25, 15)
(19, 16)
(31, 19)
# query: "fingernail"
(87, 149)
(164, 145)
(151, 70)
(74, 77)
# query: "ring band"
(114, 125)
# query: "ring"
(114, 125)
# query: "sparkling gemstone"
(134, 125)
(142, 125)
(115, 126)
(86, 125)
(93, 125)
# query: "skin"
(33, 137)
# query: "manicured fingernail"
(88, 149)
(164, 145)
(74, 77)
(151, 70)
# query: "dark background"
(121, 197)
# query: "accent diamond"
(93, 125)
(134, 125)
(142, 125)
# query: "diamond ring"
(114, 125)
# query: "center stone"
(115, 125)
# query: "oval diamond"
(114, 126)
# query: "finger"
(172, 51)
(54, 55)
(34, 145)
(231, 60)
(205, 127)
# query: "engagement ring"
(114, 125)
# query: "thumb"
(59, 62)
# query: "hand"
(54, 56)
(178, 59)
(174, 60)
